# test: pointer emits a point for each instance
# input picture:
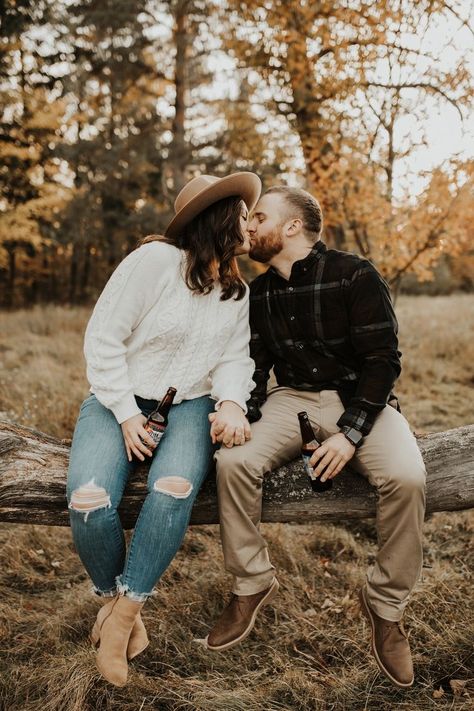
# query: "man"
(324, 321)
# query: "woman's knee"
(178, 487)
(89, 497)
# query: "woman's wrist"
(230, 405)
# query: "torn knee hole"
(89, 497)
(176, 486)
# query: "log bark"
(33, 470)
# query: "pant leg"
(185, 452)
(392, 462)
(276, 439)
(97, 475)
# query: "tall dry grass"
(310, 650)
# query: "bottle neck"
(307, 432)
(165, 404)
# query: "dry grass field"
(309, 652)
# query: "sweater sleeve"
(131, 291)
(232, 376)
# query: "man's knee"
(233, 464)
(406, 477)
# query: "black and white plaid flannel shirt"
(331, 326)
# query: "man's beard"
(264, 248)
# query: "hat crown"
(193, 188)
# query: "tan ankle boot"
(115, 627)
(138, 641)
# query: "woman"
(174, 313)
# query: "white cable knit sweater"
(149, 331)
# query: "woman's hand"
(133, 430)
(229, 425)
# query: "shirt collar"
(317, 250)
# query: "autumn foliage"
(108, 108)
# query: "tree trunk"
(10, 293)
(33, 473)
(86, 270)
(179, 152)
(73, 273)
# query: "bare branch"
(418, 85)
(433, 235)
(464, 23)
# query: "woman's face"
(244, 218)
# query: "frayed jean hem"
(124, 589)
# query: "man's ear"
(294, 227)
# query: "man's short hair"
(306, 207)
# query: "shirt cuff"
(358, 419)
(254, 414)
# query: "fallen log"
(33, 469)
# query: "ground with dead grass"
(310, 650)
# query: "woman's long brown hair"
(210, 240)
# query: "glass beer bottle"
(309, 445)
(157, 420)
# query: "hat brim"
(245, 185)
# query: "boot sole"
(271, 594)
(368, 614)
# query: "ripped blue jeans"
(98, 472)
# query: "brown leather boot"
(115, 628)
(138, 641)
(390, 646)
(238, 618)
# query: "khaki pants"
(389, 457)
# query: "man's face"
(266, 228)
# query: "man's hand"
(334, 453)
(133, 434)
(229, 425)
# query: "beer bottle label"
(309, 469)
(155, 431)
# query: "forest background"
(109, 107)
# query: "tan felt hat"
(205, 190)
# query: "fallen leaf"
(438, 693)
(458, 686)
(201, 642)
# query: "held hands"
(334, 453)
(133, 434)
(229, 425)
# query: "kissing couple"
(176, 312)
